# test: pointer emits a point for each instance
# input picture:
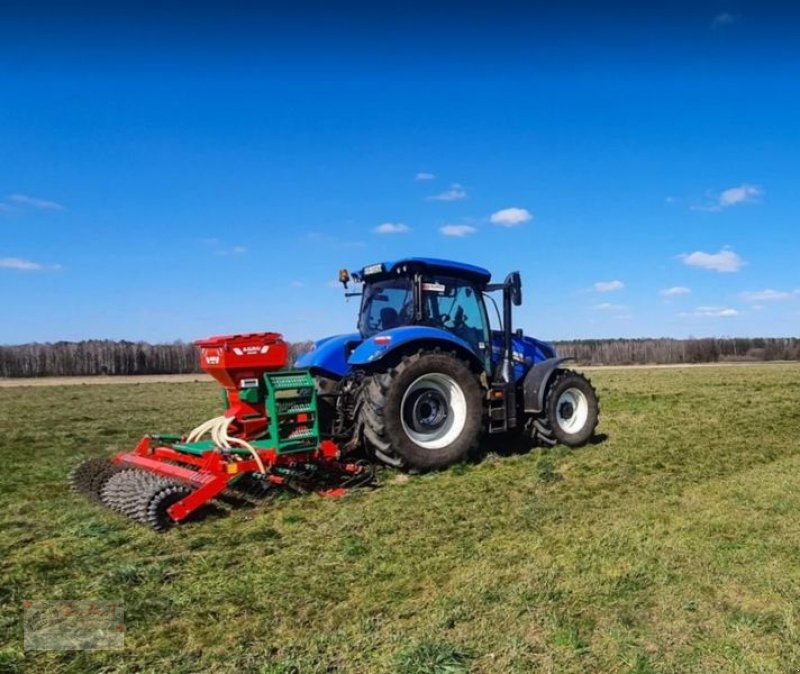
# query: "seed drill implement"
(269, 434)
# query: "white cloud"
(457, 230)
(710, 312)
(22, 264)
(455, 193)
(608, 306)
(724, 261)
(675, 291)
(608, 286)
(33, 202)
(723, 19)
(392, 228)
(739, 195)
(733, 196)
(510, 217)
(422, 175)
(769, 295)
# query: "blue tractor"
(425, 375)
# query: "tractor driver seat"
(389, 318)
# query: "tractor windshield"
(387, 304)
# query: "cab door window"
(455, 305)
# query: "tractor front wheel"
(426, 411)
(571, 408)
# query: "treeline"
(678, 351)
(106, 357)
(96, 357)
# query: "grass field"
(671, 546)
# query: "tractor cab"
(451, 297)
(416, 293)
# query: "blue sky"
(171, 172)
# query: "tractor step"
(498, 413)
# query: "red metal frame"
(211, 472)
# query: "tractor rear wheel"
(571, 409)
(426, 411)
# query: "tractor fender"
(329, 355)
(376, 348)
(535, 382)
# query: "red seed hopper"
(239, 362)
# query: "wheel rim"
(433, 410)
(572, 410)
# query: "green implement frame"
(290, 401)
(291, 404)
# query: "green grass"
(672, 546)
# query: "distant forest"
(106, 357)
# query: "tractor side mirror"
(514, 285)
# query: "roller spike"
(89, 477)
(156, 499)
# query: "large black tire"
(424, 413)
(571, 409)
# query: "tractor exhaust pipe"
(506, 374)
(512, 294)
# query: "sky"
(174, 170)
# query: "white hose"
(218, 432)
(250, 449)
(218, 429)
(203, 428)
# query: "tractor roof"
(428, 264)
